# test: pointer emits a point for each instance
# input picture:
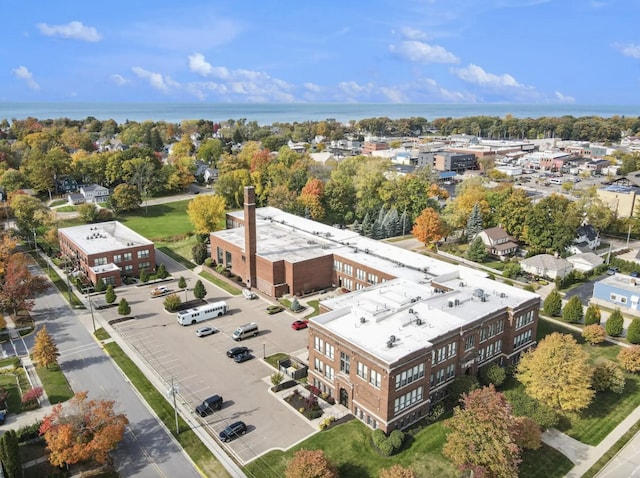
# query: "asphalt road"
(147, 449)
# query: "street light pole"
(93, 320)
(173, 391)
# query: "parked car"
(299, 324)
(612, 270)
(635, 274)
(158, 291)
(243, 357)
(274, 309)
(3, 416)
(209, 405)
(233, 431)
(236, 351)
(249, 294)
(204, 331)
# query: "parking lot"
(200, 367)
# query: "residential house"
(618, 290)
(95, 193)
(546, 265)
(587, 239)
(75, 198)
(498, 242)
(585, 262)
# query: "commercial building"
(107, 251)
(389, 349)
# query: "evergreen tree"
(572, 311)
(110, 295)
(377, 231)
(307, 213)
(405, 224)
(615, 324)
(144, 275)
(367, 226)
(100, 285)
(182, 283)
(123, 307)
(477, 251)
(10, 454)
(553, 304)
(592, 316)
(356, 226)
(161, 272)
(199, 290)
(633, 332)
(391, 223)
(381, 215)
(474, 223)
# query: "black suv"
(209, 405)
(231, 353)
(233, 431)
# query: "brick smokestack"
(250, 234)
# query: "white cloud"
(156, 80)
(352, 88)
(420, 52)
(477, 75)
(73, 30)
(632, 50)
(312, 87)
(393, 94)
(119, 79)
(23, 73)
(198, 64)
(563, 98)
(413, 33)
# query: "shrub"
(594, 334)
(387, 446)
(572, 311)
(100, 285)
(607, 375)
(525, 406)
(397, 471)
(144, 275)
(495, 374)
(32, 395)
(462, 384)
(29, 432)
(172, 303)
(592, 315)
(633, 332)
(629, 359)
(615, 324)
(529, 435)
(161, 272)
(123, 307)
(436, 412)
(276, 378)
(208, 262)
(110, 295)
(553, 304)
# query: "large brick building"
(389, 349)
(106, 251)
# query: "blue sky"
(374, 51)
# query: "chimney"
(250, 234)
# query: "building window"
(110, 280)
(621, 299)
(409, 376)
(372, 278)
(328, 372)
(144, 265)
(348, 269)
(318, 365)
(329, 350)
(128, 256)
(143, 254)
(522, 339)
(450, 371)
(524, 319)
(128, 268)
(117, 258)
(337, 266)
(362, 370)
(375, 379)
(451, 349)
(361, 274)
(347, 284)
(228, 258)
(220, 254)
(469, 342)
(319, 344)
(344, 363)
(408, 399)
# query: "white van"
(246, 330)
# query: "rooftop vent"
(411, 311)
(418, 321)
(502, 295)
(392, 338)
(362, 320)
(389, 344)
(450, 303)
(478, 293)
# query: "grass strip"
(55, 384)
(178, 258)
(102, 334)
(9, 382)
(224, 285)
(187, 438)
(612, 452)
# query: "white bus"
(204, 312)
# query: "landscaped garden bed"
(305, 404)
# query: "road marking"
(76, 350)
(146, 454)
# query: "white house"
(585, 262)
(546, 265)
(95, 193)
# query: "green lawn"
(613, 451)
(316, 308)
(102, 334)
(10, 383)
(159, 221)
(55, 384)
(198, 452)
(224, 285)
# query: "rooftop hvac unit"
(457, 302)
(389, 344)
(362, 320)
(411, 311)
(450, 303)
(502, 295)
(483, 298)
(418, 321)
(392, 338)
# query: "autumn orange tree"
(45, 350)
(20, 287)
(483, 435)
(7, 247)
(312, 198)
(82, 430)
(310, 464)
(428, 227)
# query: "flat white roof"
(284, 236)
(416, 315)
(104, 237)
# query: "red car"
(299, 324)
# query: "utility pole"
(93, 320)
(173, 391)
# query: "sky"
(285, 51)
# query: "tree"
(594, 334)
(206, 213)
(633, 332)
(557, 373)
(477, 251)
(495, 374)
(615, 324)
(474, 223)
(312, 198)
(592, 315)
(607, 375)
(144, 275)
(123, 307)
(553, 304)
(629, 358)
(100, 285)
(10, 454)
(529, 434)
(45, 350)
(310, 464)
(428, 227)
(125, 197)
(525, 406)
(199, 291)
(182, 283)
(29, 212)
(110, 295)
(161, 272)
(397, 471)
(172, 302)
(20, 288)
(88, 212)
(483, 435)
(199, 253)
(572, 311)
(82, 430)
